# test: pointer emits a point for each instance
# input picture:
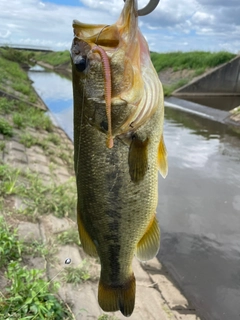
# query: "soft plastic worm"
(107, 89)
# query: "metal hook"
(148, 8)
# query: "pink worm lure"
(108, 91)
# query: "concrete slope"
(223, 80)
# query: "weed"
(22, 87)
(189, 60)
(9, 183)
(76, 275)
(16, 55)
(37, 249)
(5, 128)
(55, 58)
(18, 120)
(6, 106)
(66, 158)
(11, 247)
(54, 139)
(59, 200)
(28, 140)
(107, 317)
(56, 199)
(199, 71)
(169, 89)
(29, 296)
(69, 237)
(2, 145)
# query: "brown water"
(199, 202)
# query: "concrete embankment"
(215, 95)
(223, 80)
(157, 297)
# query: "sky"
(175, 25)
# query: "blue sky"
(186, 25)
(64, 2)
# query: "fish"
(118, 151)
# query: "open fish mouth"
(105, 43)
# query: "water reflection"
(199, 202)
(56, 91)
(199, 213)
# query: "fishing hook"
(148, 8)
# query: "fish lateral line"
(107, 90)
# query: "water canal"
(199, 202)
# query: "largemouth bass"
(118, 150)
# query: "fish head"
(135, 86)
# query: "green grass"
(20, 56)
(39, 199)
(14, 79)
(195, 60)
(24, 115)
(76, 275)
(5, 128)
(69, 237)
(10, 248)
(54, 58)
(107, 317)
(24, 88)
(169, 89)
(2, 145)
(29, 296)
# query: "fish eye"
(81, 63)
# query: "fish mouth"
(135, 82)
(110, 36)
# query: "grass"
(13, 79)
(54, 58)
(2, 145)
(19, 56)
(26, 295)
(69, 237)
(76, 275)
(107, 317)
(5, 128)
(24, 116)
(169, 89)
(196, 60)
(11, 248)
(39, 199)
(29, 296)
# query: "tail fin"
(121, 297)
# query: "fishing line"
(67, 261)
(100, 33)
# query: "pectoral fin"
(138, 159)
(86, 241)
(148, 246)
(162, 158)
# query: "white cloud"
(174, 25)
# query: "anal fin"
(86, 242)
(118, 297)
(138, 159)
(149, 244)
(162, 158)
